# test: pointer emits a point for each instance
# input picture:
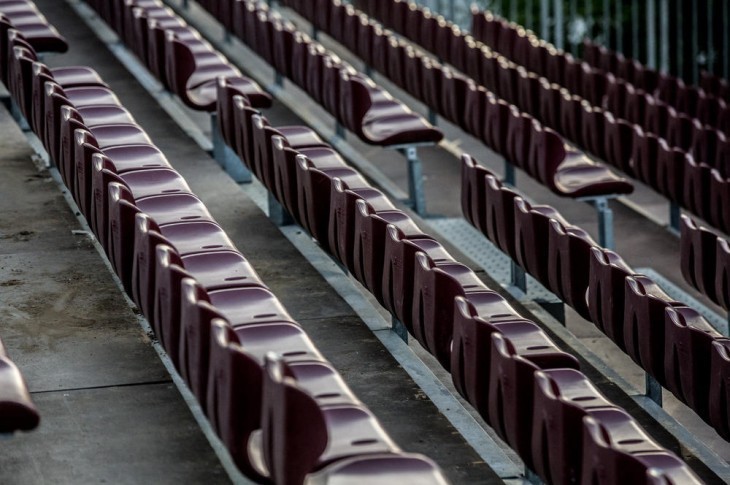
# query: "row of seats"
(695, 177)
(669, 340)
(17, 411)
(26, 18)
(706, 261)
(506, 366)
(176, 54)
(517, 136)
(280, 408)
(674, 91)
(349, 96)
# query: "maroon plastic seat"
(17, 411)
(495, 124)
(399, 269)
(531, 225)
(617, 95)
(436, 283)
(376, 123)
(617, 450)
(193, 76)
(657, 116)
(311, 397)
(498, 217)
(720, 387)
(644, 324)
(697, 180)
(606, 293)
(519, 349)
(569, 253)
(719, 201)
(475, 109)
(618, 142)
(563, 398)
(454, 89)
(34, 26)
(722, 273)
(236, 364)
(370, 228)
(472, 191)
(699, 257)
(390, 467)
(671, 165)
(688, 339)
(528, 95)
(517, 144)
(681, 130)
(645, 156)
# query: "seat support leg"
(605, 221)
(315, 33)
(399, 329)
(532, 477)
(653, 390)
(278, 79)
(432, 116)
(18, 116)
(415, 180)
(339, 130)
(277, 213)
(518, 278)
(225, 156)
(674, 216)
(368, 70)
(510, 177)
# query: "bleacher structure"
(525, 398)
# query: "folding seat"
(710, 83)
(521, 48)
(300, 59)
(380, 52)
(610, 60)
(636, 106)
(459, 44)
(594, 131)
(403, 67)
(78, 97)
(335, 28)
(453, 95)
(385, 123)
(688, 98)
(472, 191)
(233, 401)
(591, 52)
(606, 292)
(264, 27)
(109, 125)
(569, 253)
(646, 78)
(555, 66)
(316, 55)
(497, 112)
(371, 222)
(698, 256)
(563, 398)
(322, 12)
(595, 85)
(17, 411)
(719, 200)
(681, 130)
(413, 21)
(476, 319)
(331, 424)
(443, 40)
(707, 146)
(193, 77)
(617, 450)
(626, 70)
(430, 31)
(645, 157)
(489, 68)
(436, 283)
(539, 52)
(722, 272)
(697, 181)
(151, 34)
(350, 28)
(519, 349)
(507, 80)
(723, 121)
(571, 119)
(365, 39)
(550, 98)
(475, 109)
(531, 224)
(720, 387)
(644, 325)
(473, 59)
(391, 467)
(246, 20)
(213, 270)
(395, 15)
(314, 195)
(687, 350)
(709, 108)
(399, 269)
(497, 214)
(116, 161)
(431, 77)
(490, 30)
(343, 201)
(618, 142)
(668, 88)
(240, 306)
(573, 74)
(528, 94)
(41, 35)
(657, 116)
(617, 97)
(282, 38)
(331, 86)
(517, 145)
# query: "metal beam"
(558, 20)
(651, 41)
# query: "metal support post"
(510, 176)
(225, 156)
(226, 36)
(674, 216)
(518, 278)
(217, 139)
(559, 41)
(315, 33)
(277, 213)
(417, 198)
(651, 34)
(432, 116)
(532, 477)
(399, 329)
(545, 19)
(664, 36)
(368, 70)
(605, 221)
(278, 79)
(653, 390)
(339, 130)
